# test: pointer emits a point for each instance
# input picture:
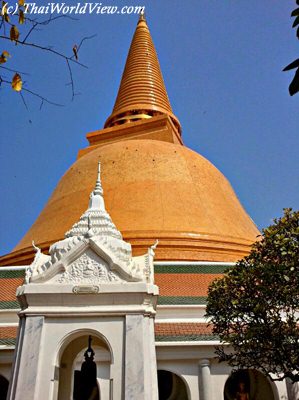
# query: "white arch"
(271, 385)
(66, 375)
(71, 336)
(173, 371)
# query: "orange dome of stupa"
(154, 186)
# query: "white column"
(205, 384)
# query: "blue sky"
(221, 61)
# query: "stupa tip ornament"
(142, 16)
(142, 93)
(93, 251)
(98, 190)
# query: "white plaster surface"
(134, 363)
(27, 379)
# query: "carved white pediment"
(91, 261)
(89, 268)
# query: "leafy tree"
(255, 307)
(294, 85)
(17, 27)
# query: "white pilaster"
(26, 382)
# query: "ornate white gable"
(93, 252)
(89, 268)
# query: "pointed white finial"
(96, 199)
(95, 221)
(98, 190)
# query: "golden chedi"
(155, 187)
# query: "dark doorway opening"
(248, 384)
(171, 386)
(3, 387)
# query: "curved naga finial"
(35, 267)
(29, 269)
(153, 248)
(37, 249)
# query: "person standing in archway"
(241, 393)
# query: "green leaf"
(294, 64)
(254, 310)
(296, 22)
(295, 12)
(294, 85)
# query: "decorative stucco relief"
(88, 269)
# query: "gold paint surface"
(152, 190)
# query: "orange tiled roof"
(8, 335)
(182, 328)
(8, 332)
(8, 288)
(9, 281)
(183, 331)
(184, 284)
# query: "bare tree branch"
(42, 98)
(34, 25)
(14, 70)
(24, 102)
(83, 40)
(49, 49)
(72, 81)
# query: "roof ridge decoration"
(142, 93)
(92, 252)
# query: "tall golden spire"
(142, 93)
